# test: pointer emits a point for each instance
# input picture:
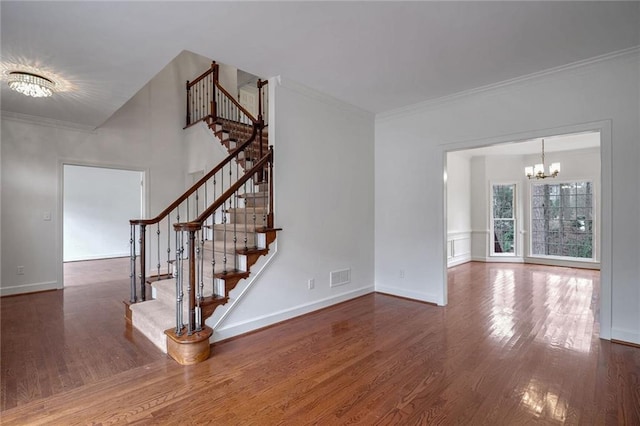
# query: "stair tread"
(219, 246)
(262, 209)
(257, 194)
(240, 227)
(232, 274)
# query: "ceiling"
(378, 56)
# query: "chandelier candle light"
(537, 171)
(30, 84)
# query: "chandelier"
(537, 171)
(30, 84)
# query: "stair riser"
(167, 294)
(241, 218)
(256, 201)
(166, 290)
(220, 265)
(245, 216)
(240, 236)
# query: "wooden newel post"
(270, 221)
(214, 80)
(260, 125)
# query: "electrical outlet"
(401, 273)
(20, 270)
(312, 284)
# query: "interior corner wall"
(144, 134)
(479, 215)
(323, 189)
(458, 209)
(228, 78)
(409, 199)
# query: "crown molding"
(322, 97)
(430, 103)
(47, 122)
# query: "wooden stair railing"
(191, 270)
(207, 101)
(228, 214)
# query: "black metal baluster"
(158, 248)
(132, 275)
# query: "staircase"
(205, 242)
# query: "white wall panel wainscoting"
(458, 248)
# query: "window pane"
(502, 201)
(562, 219)
(503, 218)
(503, 230)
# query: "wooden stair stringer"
(242, 286)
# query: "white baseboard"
(455, 261)
(564, 263)
(235, 329)
(409, 294)
(499, 259)
(629, 336)
(29, 288)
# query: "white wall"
(458, 209)
(145, 134)
(228, 78)
(97, 202)
(324, 203)
(409, 153)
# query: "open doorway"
(98, 203)
(550, 227)
(496, 214)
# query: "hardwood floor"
(516, 345)
(59, 340)
(95, 271)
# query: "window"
(562, 220)
(503, 220)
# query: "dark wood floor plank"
(517, 344)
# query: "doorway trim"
(59, 234)
(604, 127)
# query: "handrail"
(192, 225)
(204, 74)
(198, 184)
(236, 103)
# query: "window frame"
(594, 211)
(492, 219)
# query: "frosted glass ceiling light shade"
(537, 171)
(31, 84)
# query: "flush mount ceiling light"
(30, 84)
(537, 171)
